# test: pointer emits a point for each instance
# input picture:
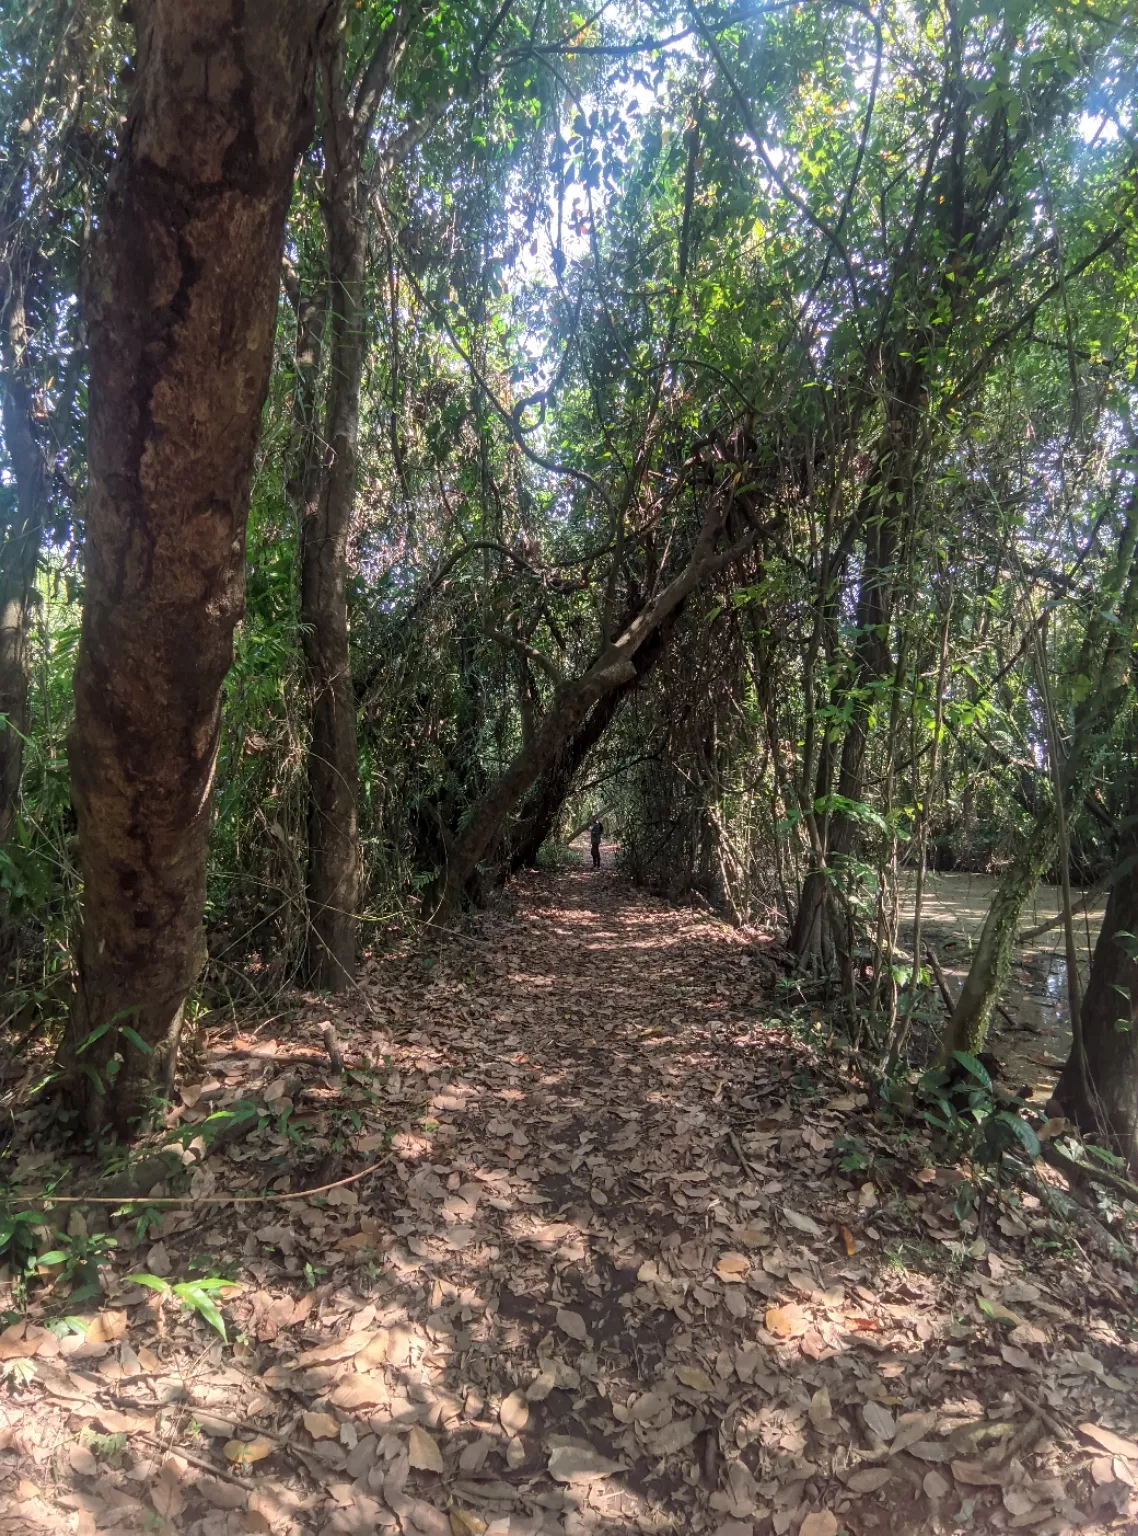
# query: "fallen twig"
(273, 1197)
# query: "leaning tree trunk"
(333, 754)
(572, 701)
(541, 808)
(181, 307)
(19, 556)
(1103, 1102)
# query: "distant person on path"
(596, 832)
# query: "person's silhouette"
(596, 832)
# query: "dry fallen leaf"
(786, 1322)
(802, 1223)
(116, 1423)
(423, 1451)
(242, 1453)
(322, 1426)
(879, 1421)
(936, 1486)
(868, 1479)
(822, 1523)
(464, 1522)
(696, 1377)
(514, 1413)
(974, 1474)
(1117, 1445)
(732, 1268)
(82, 1461)
(573, 1324)
(359, 1392)
(579, 1464)
(166, 1493)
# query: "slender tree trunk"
(814, 933)
(1105, 658)
(19, 556)
(1106, 1105)
(333, 768)
(181, 307)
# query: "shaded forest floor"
(607, 1276)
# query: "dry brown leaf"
(358, 1391)
(786, 1322)
(222, 1495)
(116, 1423)
(106, 1328)
(423, 1451)
(339, 1349)
(802, 1223)
(579, 1464)
(243, 1453)
(464, 1522)
(82, 1461)
(321, 1426)
(732, 1268)
(974, 1474)
(848, 1241)
(514, 1413)
(868, 1479)
(573, 1324)
(822, 1523)
(821, 1409)
(696, 1377)
(166, 1493)
(879, 1421)
(1117, 1445)
(935, 1486)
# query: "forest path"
(610, 1279)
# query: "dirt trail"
(612, 1278)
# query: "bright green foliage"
(869, 276)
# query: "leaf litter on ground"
(610, 1277)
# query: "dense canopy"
(718, 418)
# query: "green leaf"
(191, 1294)
(977, 1068)
(1020, 1129)
(152, 1281)
(136, 1039)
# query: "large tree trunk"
(19, 555)
(1104, 1102)
(181, 306)
(333, 772)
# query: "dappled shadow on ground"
(634, 1260)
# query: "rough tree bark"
(351, 170)
(181, 305)
(19, 555)
(614, 668)
(333, 772)
(1105, 1105)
